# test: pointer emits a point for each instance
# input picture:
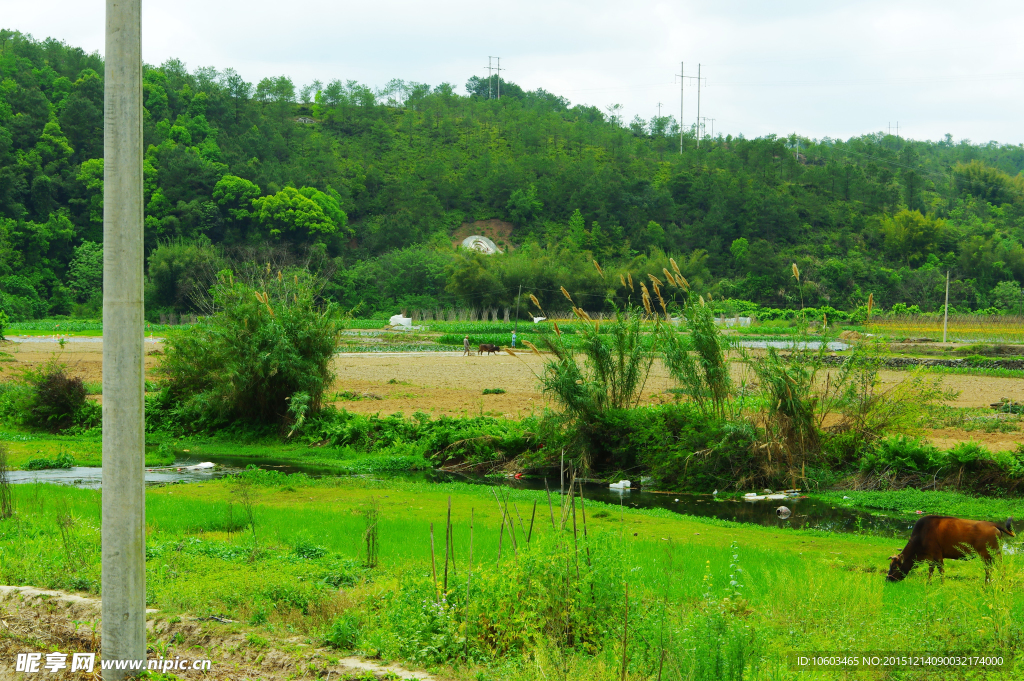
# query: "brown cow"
(936, 537)
(488, 348)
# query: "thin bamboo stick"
(447, 545)
(534, 515)
(551, 508)
(433, 563)
(625, 633)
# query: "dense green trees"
(369, 177)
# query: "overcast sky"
(816, 68)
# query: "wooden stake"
(550, 507)
(534, 515)
(501, 536)
(625, 632)
(433, 562)
(522, 525)
(447, 545)
(470, 577)
(583, 509)
(575, 536)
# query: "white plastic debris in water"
(775, 497)
(399, 320)
(200, 466)
(783, 512)
(621, 484)
(753, 496)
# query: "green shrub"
(63, 461)
(48, 398)
(902, 453)
(344, 633)
(405, 441)
(494, 391)
(268, 344)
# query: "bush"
(477, 440)
(47, 397)
(63, 460)
(268, 345)
(344, 633)
(903, 454)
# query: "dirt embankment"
(44, 621)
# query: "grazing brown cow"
(936, 537)
(488, 348)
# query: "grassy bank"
(26, 447)
(286, 557)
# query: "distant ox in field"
(488, 348)
(936, 537)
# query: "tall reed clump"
(798, 391)
(263, 356)
(600, 373)
(698, 360)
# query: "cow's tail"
(1007, 528)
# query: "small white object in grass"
(537, 320)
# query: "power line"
(682, 82)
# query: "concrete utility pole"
(682, 82)
(945, 316)
(124, 509)
(698, 106)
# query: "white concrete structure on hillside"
(480, 243)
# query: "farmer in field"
(465, 347)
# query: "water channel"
(807, 513)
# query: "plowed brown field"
(448, 383)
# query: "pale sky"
(817, 68)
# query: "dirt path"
(44, 621)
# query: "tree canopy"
(369, 176)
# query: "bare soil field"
(448, 383)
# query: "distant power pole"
(490, 70)
(682, 82)
(698, 106)
(659, 109)
(705, 118)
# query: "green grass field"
(722, 600)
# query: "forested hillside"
(370, 185)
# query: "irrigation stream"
(807, 513)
